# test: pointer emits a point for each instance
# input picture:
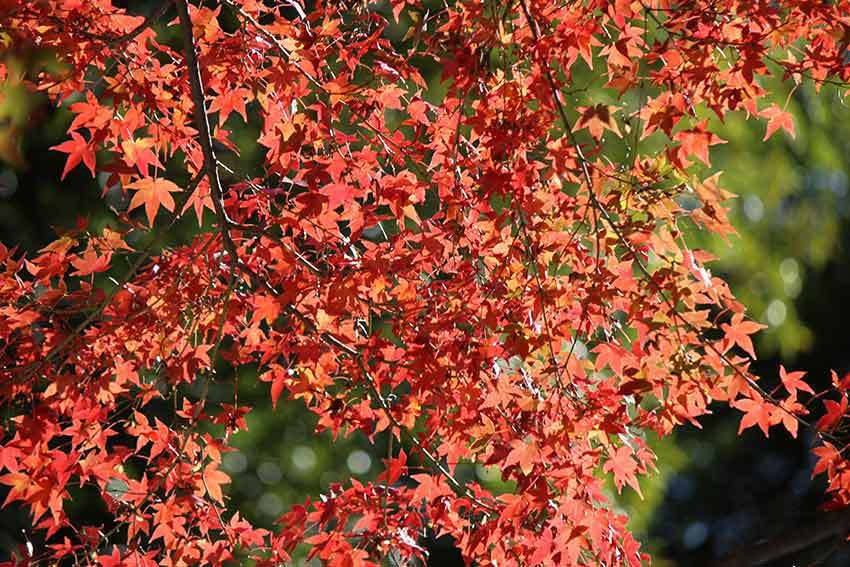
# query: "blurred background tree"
(715, 492)
(790, 266)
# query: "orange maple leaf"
(597, 119)
(90, 263)
(153, 192)
(138, 152)
(524, 454)
(199, 200)
(696, 141)
(776, 119)
(212, 480)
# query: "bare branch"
(824, 527)
(202, 122)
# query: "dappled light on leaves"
(490, 268)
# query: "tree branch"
(210, 165)
(824, 527)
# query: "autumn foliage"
(493, 266)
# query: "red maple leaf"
(199, 200)
(793, 381)
(524, 454)
(78, 150)
(788, 415)
(430, 487)
(394, 468)
(757, 411)
(828, 457)
(835, 412)
(738, 333)
(90, 263)
(211, 482)
(230, 101)
(624, 466)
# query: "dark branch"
(824, 527)
(202, 122)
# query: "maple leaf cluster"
(476, 274)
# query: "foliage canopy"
(492, 267)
